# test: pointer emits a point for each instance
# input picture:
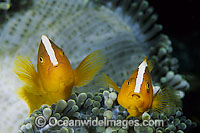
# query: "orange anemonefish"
(54, 78)
(137, 94)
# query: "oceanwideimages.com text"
(40, 121)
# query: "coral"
(125, 30)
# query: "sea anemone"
(88, 106)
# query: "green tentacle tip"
(179, 131)
(73, 110)
(167, 130)
(108, 114)
(159, 131)
(100, 129)
(176, 121)
(57, 115)
(44, 106)
(47, 113)
(81, 99)
(74, 96)
(70, 104)
(113, 96)
(172, 127)
(162, 52)
(90, 95)
(101, 111)
(146, 116)
(88, 103)
(29, 126)
(71, 130)
(188, 122)
(95, 111)
(182, 126)
(106, 93)
(19, 131)
(64, 130)
(122, 131)
(61, 105)
(96, 104)
(149, 130)
(109, 103)
(101, 90)
(65, 118)
(76, 115)
(23, 128)
(98, 98)
(178, 113)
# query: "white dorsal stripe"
(49, 49)
(140, 76)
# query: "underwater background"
(23, 23)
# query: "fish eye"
(129, 81)
(41, 60)
(148, 87)
(62, 53)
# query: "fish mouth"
(136, 96)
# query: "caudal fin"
(165, 101)
(89, 67)
(105, 81)
(27, 74)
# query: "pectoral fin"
(105, 81)
(89, 67)
(165, 101)
(27, 74)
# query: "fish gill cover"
(125, 30)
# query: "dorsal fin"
(150, 64)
